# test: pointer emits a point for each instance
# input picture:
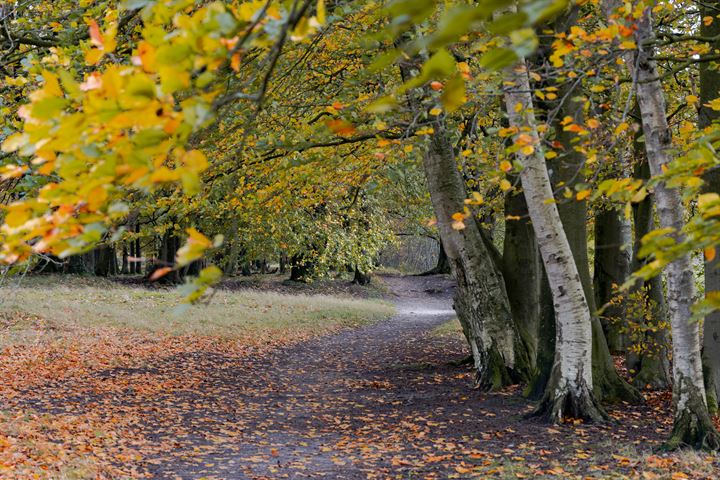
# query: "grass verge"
(53, 305)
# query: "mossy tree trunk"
(481, 301)
(611, 269)
(522, 270)
(650, 365)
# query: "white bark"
(570, 387)
(692, 421)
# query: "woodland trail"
(383, 401)
(356, 404)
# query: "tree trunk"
(105, 262)
(692, 425)
(301, 270)
(612, 267)
(569, 391)
(522, 270)
(650, 366)
(361, 278)
(283, 262)
(481, 301)
(125, 265)
(81, 264)
(545, 359)
(710, 90)
(608, 385)
(169, 246)
(136, 266)
(443, 264)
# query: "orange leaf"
(710, 254)
(95, 35)
(341, 127)
(159, 273)
(583, 194)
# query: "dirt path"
(381, 401)
(347, 405)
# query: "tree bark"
(710, 90)
(692, 425)
(481, 301)
(125, 266)
(105, 261)
(611, 269)
(361, 278)
(522, 271)
(569, 391)
(649, 367)
(443, 264)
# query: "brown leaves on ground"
(378, 402)
(77, 405)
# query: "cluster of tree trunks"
(539, 297)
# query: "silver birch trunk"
(692, 424)
(569, 392)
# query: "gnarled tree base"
(607, 384)
(563, 401)
(492, 374)
(692, 429)
(653, 374)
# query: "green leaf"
(498, 58)
(453, 96)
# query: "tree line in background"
(565, 151)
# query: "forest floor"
(380, 400)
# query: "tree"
(569, 391)
(693, 425)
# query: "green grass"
(64, 302)
(451, 328)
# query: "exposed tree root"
(562, 401)
(695, 430)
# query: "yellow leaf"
(583, 194)
(93, 56)
(706, 199)
(320, 15)
(593, 123)
(550, 154)
(195, 161)
(691, 99)
(436, 111)
(527, 150)
(14, 142)
(518, 106)
(197, 237)
(505, 166)
(453, 96)
(621, 128)
(505, 185)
